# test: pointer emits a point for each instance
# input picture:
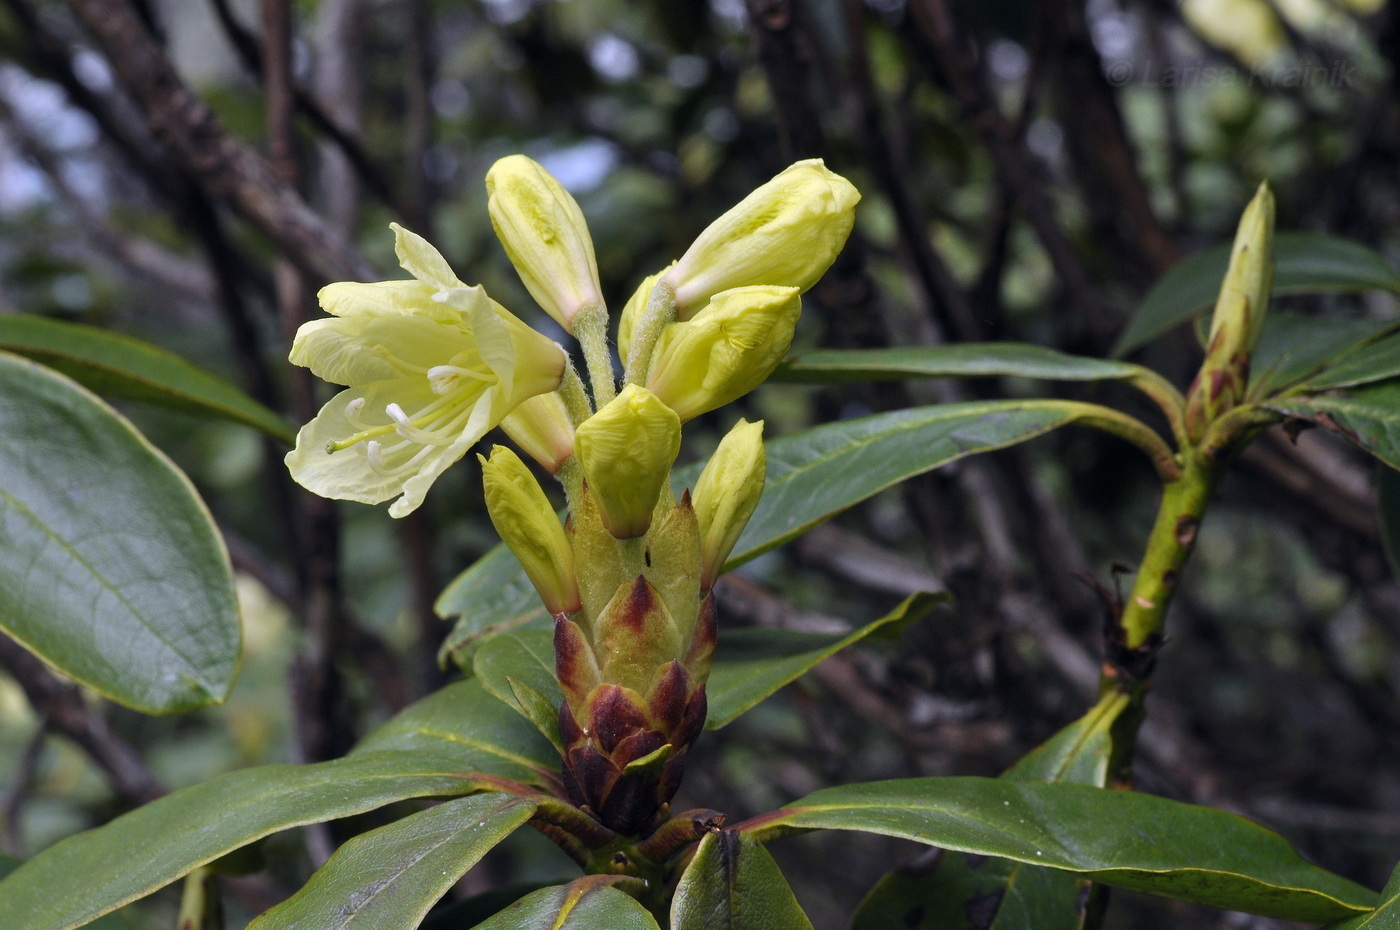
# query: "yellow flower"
(786, 233)
(727, 493)
(540, 426)
(626, 450)
(725, 351)
(528, 526)
(544, 233)
(431, 364)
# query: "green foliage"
(112, 569)
(119, 366)
(586, 903)
(733, 882)
(1304, 263)
(1193, 853)
(388, 878)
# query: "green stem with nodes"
(591, 330)
(1168, 547)
(661, 312)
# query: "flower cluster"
(432, 364)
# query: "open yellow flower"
(431, 365)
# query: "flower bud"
(727, 493)
(540, 426)
(626, 450)
(528, 526)
(1239, 317)
(726, 350)
(544, 233)
(787, 232)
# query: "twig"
(231, 170)
(370, 173)
(12, 806)
(936, 30)
(63, 707)
(944, 297)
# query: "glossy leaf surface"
(1121, 838)
(390, 877)
(1369, 416)
(957, 891)
(752, 663)
(812, 476)
(111, 568)
(466, 728)
(1304, 263)
(1294, 347)
(119, 366)
(962, 360)
(1378, 361)
(733, 882)
(1386, 916)
(426, 751)
(588, 903)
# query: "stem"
(570, 475)
(1168, 547)
(1165, 395)
(575, 398)
(1131, 429)
(661, 312)
(591, 330)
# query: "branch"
(230, 169)
(63, 707)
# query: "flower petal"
(360, 350)
(418, 257)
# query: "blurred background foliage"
(1028, 170)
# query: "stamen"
(442, 378)
(337, 445)
(403, 365)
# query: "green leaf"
(1294, 346)
(466, 728)
(1386, 916)
(1304, 263)
(115, 921)
(1377, 361)
(958, 891)
(733, 882)
(428, 750)
(752, 663)
(963, 360)
(816, 474)
(1121, 838)
(588, 903)
(518, 668)
(812, 476)
(99, 870)
(492, 596)
(111, 569)
(119, 366)
(390, 877)
(1369, 416)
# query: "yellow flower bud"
(727, 493)
(726, 350)
(626, 450)
(544, 233)
(540, 426)
(1239, 317)
(787, 232)
(529, 527)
